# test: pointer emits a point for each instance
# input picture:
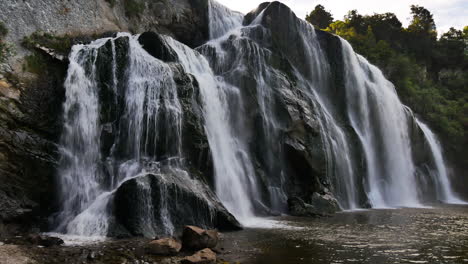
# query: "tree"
(421, 34)
(319, 17)
(422, 21)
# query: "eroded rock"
(204, 256)
(197, 238)
(45, 241)
(164, 246)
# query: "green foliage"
(319, 17)
(60, 44)
(3, 30)
(35, 63)
(111, 2)
(423, 21)
(430, 74)
(6, 49)
(133, 8)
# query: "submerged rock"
(297, 207)
(197, 238)
(204, 256)
(164, 246)
(318, 205)
(325, 203)
(45, 241)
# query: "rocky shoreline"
(194, 246)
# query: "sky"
(447, 13)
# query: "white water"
(79, 175)
(222, 19)
(340, 161)
(153, 120)
(152, 116)
(443, 186)
(234, 176)
(380, 120)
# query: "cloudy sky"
(447, 13)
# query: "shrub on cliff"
(6, 49)
(133, 8)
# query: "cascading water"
(380, 120)
(234, 176)
(151, 121)
(443, 186)
(79, 172)
(222, 19)
(122, 123)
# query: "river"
(407, 235)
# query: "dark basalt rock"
(45, 241)
(144, 204)
(318, 205)
(155, 45)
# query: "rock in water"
(205, 256)
(196, 238)
(325, 203)
(45, 241)
(164, 246)
(319, 205)
(297, 207)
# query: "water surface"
(429, 235)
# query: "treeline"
(430, 72)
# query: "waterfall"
(124, 118)
(340, 167)
(222, 19)
(151, 120)
(380, 120)
(234, 175)
(443, 186)
(79, 172)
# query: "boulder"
(164, 246)
(45, 241)
(197, 238)
(297, 207)
(204, 256)
(325, 203)
(183, 201)
(318, 205)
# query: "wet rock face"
(158, 204)
(30, 111)
(317, 205)
(281, 124)
(31, 103)
(155, 45)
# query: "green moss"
(111, 2)
(60, 44)
(35, 63)
(3, 30)
(6, 50)
(133, 8)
